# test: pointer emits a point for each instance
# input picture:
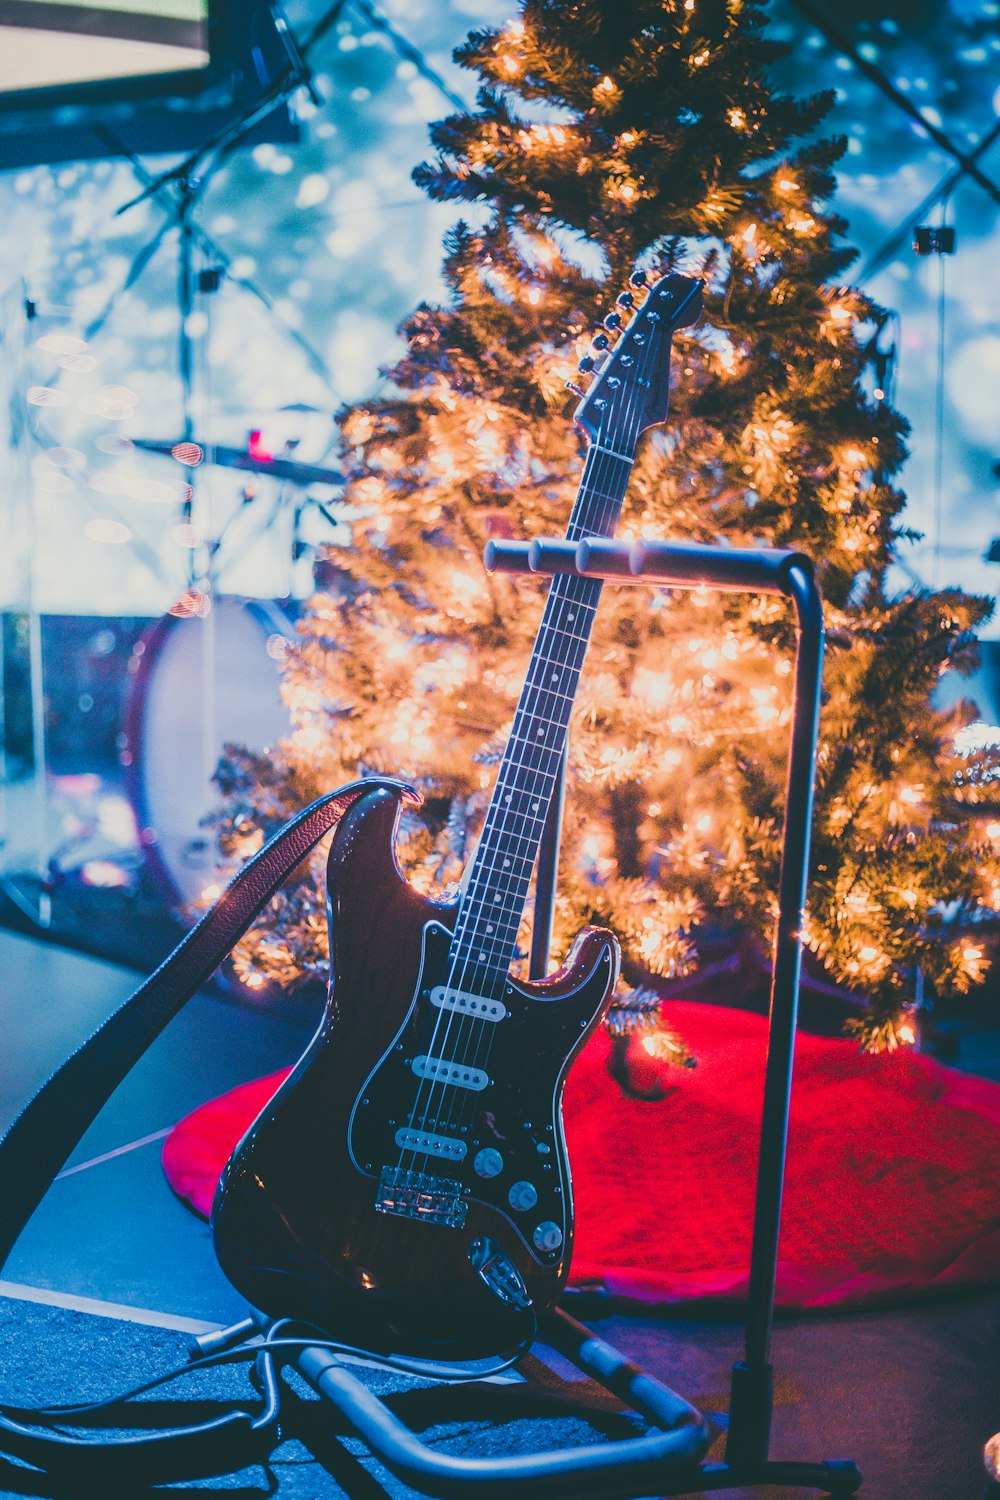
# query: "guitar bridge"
(417, 1195)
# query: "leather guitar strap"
(46, 1131)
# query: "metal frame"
(669, 1459)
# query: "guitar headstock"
(630, 388)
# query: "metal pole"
(752, 1390)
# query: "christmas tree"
(606, 138)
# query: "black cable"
(267, 1345)
(939, 194)
(412, 54)
(831, 32)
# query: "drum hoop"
(269, 614)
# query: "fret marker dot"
(496, 898)
(482, 955)
(535, 806)
(571, 618)
(489, 927)
(541, 734)
(506, 863)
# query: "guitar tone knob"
(522, 1196)
(547, 1235)
(488, 1162)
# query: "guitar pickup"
(426, 1143)
(418, 1195)
(467, 1004)
(441, 1070)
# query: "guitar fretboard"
(485, 935)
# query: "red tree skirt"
(892, 1187)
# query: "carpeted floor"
(907, 1394)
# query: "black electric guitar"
(408, 1187)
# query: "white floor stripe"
(19, 1293)
(95, 1161)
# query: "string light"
(660, 1044)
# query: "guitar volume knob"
(522, 1196)
(547, 1235)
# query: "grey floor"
(112, 1270)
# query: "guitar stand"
(669, 1459)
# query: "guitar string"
(532, 781)
(506, 942)
(536, 776)
(460, 960)
(605, 525)
(461, 954)
(469, 919)
(557, 607)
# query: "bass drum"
(200, 682)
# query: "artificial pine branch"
(605, 136)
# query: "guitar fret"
(611, 452)
(490, 912)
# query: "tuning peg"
(613, 321)
(625, 300)
(601, 341)
(570, 386)
(586, 364)
(638, 278)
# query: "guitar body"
(408, 1189)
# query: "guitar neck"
(490, 913)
